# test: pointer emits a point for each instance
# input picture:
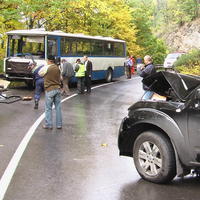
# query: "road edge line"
(13, 164)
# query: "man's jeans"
(39, 88)
(81, 84)
(53, 97)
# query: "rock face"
(185, 38)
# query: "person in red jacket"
(133, 66)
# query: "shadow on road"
(179, 189)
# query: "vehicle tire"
(154, 157)
(109, 75)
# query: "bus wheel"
(109, 75)
(30, 84)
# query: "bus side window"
(119, 49)
(52, 46)
(80, 48)
(73, 48)
(86, 48)
(108, 48)
(97, 48)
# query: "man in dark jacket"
(88, 73)
(145, 71)
(128, 64)
(67, 72)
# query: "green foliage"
(94, 17)
(157, 49)
(142, 12)
(195, 70)
(189, 63)
(182, 11)
(135, 21)
(1, 66)
(169, 13)
(9, 20)
(97, 17)
(191, 59)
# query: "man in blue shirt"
(128, 64)
(39, 82)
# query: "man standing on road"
(80, 75)
(52, 86)
(88, 73)
(67, 73)
(133, 65)
(39, 82)
(145, 71)
(128, 64)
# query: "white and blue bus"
(107, 54)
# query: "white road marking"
(11, 168)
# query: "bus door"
(53, 46)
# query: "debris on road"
(104, 145)
(4, 84)
(27, 98)
(3, 97)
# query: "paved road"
(81, 162)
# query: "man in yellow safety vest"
(80, 75)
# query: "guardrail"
(160, 67)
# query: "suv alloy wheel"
(154, 157)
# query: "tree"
(97, 17)
(176, 12)
(9, 20)
(142, 14)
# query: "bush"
(155, 48)
(189, 63)
(195, 70)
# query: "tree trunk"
(31, 23)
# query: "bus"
(107, 54)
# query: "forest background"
(141, 23)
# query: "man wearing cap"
(39, 82)
(52, 86)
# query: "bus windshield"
(26, 46)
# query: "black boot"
(36, 104)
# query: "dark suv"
(163, 136)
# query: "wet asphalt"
(81, 161)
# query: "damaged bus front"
(23, 47)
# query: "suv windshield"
(26, 46)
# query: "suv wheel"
(154, 157)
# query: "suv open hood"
(165, 83)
